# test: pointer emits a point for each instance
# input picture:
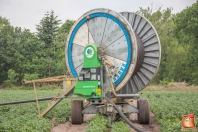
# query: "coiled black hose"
(123, 116)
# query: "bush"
(31, 76)
(12, 77)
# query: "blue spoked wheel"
(112, 32)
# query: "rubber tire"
(76, 112)
(144, 111)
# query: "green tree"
(9, 44)
(186, 32)
(60, 42)
(4, 24)
(33, 55)
(65, 28)
(30, 59)
(21, 51)
(48, 29)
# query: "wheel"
(143, 115)
(76, 112)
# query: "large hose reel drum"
(129, 41)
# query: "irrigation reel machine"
(110, 57)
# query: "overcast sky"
(28, 13)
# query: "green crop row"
(23, 117)
(169, 107)
(101, 123)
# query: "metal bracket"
(104, 109)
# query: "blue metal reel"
(126, 40)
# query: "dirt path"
(68, 127)
(147, 128)
(151, 127)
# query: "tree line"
(28, 55)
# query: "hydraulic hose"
(25, 101)
(110, 81)
(123, 116)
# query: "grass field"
(168, 107)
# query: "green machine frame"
(89, 80)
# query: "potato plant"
(101, 123)
(169, 107)
(120, 127)
(23, 117)
(98, 123)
